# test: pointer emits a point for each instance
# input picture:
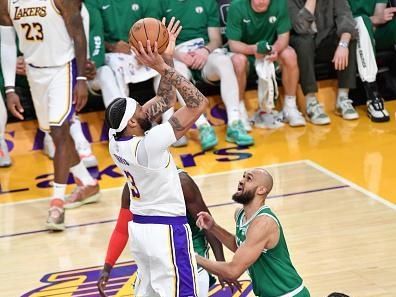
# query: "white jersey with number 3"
(154, 191)
(43, 37)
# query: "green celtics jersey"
(194, 15)
(250, 27)
(364, 7)
(118, 17)
(273, 273)
(199, 240)
(96, 34)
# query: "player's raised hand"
(14, 105)
(174, 29)
(205, 221)
(102, 282)
(80, 94)
(149, 57)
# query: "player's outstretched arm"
(206, 222)
(166, 94)
(263, 233)
(118, 240)
(70, 10)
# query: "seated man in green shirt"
(324, 31)
(260, 29)
(199, 56)
(381, 27)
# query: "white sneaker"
(182, 141)
(376, 111)
(292, 116)
(345, 109)
(5, 160)
(49, 147)
(316, 115)
(85, 152)
(268, 120)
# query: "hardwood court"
(341, 237)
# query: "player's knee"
(60, 133)
(240, 63)
(288, 57)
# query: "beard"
(145, 124)
(243, 198)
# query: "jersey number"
(33, 32)
(132, 186)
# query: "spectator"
(260, 29)
(324, 31)
(199, 57)
(381, 27)
(103, 77)
(118, 17)
(5, 160)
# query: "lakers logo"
(83, 282)
(29, 12)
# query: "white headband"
(128, 114)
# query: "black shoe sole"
(378, 120)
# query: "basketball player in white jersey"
(160, 236)
(52, 40)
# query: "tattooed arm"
(165, 99)
(70, 10)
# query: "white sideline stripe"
(195, 177)
(351, 184)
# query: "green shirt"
(364, 7)
(250, 27)
(96, 34)
(273, 273)
(196, 16)
(118, 17)
(200, 243)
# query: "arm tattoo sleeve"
(176, 125)
(166, 96)
(191, 95)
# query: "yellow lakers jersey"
(43, 37)
(154, 192)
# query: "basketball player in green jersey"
(259, 244)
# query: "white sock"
(342, 93)
(310, 98)
(242, 109)
(233, 115)
(290, 101)
(202, 121)
(76, 131)
(59, 191)
(82, 174)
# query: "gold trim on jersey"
(68, 98)
(55, 8)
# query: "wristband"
(81, 78)
(263, 47)
(10, 90)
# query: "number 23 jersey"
(43, 37)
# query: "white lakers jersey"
(43, 37)
(154, 192)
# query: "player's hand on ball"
(149, 57)
(102, 282)
(205, 221)
(174, 29)
(14, 105)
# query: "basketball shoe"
(56, 215)
(83, 194)
(5, 160)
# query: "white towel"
(127, 69)
(367, 64)
(190, 45)
(267, 85)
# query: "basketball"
(149, 29)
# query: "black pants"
(308, 53)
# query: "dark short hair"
(336, 294)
